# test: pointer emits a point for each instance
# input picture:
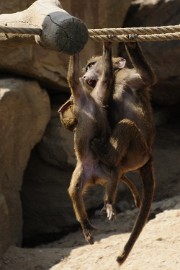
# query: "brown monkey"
(68, 118)
(129, 146)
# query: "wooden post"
(60, 30)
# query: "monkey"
(69, 121)
(130, 145)
(126, 142)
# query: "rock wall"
(24, 113)
(164, 56)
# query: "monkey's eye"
(90, 65)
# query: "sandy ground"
(157, 248)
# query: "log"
(58, 29)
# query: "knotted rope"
(159, 33)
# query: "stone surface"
(24, 113)
(164, 56)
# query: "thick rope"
(20, 30)
(159, 33)
(135, 30)
(129, 38)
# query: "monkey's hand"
(109, 210)
(133, 38)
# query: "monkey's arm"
(73, 77)
(104, 88)
(140, 63)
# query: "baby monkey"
(111, 142)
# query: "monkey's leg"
(126, 147)
(110, 196)
(76, 193)
(148, 193)
(133, 190)
(109, 208)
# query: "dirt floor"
(158, 246)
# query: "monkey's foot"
(109, 210)
(87, 229)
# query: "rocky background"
(36, 153)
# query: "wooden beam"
(60, 30)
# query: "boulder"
(24, 113)
(164, 56)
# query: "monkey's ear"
(119, 63)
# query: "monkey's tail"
(148, 181)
